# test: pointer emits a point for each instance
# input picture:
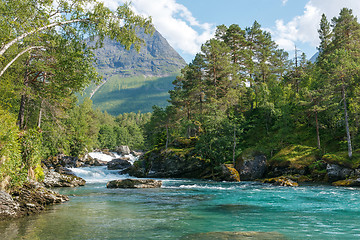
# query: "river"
(183, 207)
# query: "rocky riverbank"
(290, 166)
(31, 198)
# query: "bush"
(10, 152)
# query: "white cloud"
(284, 2)
(304, 28)
(174, 21)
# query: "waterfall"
(97, 174)
(100, 174)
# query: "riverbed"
(182, 207)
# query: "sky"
(187, 24)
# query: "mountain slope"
(135, 81)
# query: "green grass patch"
(342, 158)
(295, 156)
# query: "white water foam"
(196, 186)
(101, 156)
(97, 174)
(107, 158)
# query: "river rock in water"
(31, 198)
(251, 166)
(134, 183)
(235, 236)
(118, 163)
(281, 181)
(336, 172)
(55, 179)
(8, 207)
(125, 150)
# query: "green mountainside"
(134, 81)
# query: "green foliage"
(10, 151)
(341, 158)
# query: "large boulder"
(171, 163)
(336, 172)
(8, 207)
(125, 150)
(118, 163)
(134, 183)
(251, 166)
(55, 179)
(229, 173)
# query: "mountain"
(135, 81)
(314, 57)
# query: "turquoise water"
(183, 207)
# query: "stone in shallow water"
(235, 236)
(134, 183)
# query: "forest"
(240, 93)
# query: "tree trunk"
(346, 122)
(40, 114)
(21, 116)
(167, 137)
(234, 148)
(317, 130)
(24, 35)
(17, 56)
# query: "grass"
(342, 158)
(295, 156)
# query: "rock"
(118, 163)
(281, 181)
(64, 170)
(8, 207)
(32, 197)
(171, 164)
(350, 182)
(134, 183)
(137, 154)
(336, 172)
(55, 179)
(229, 173)
(63, 161)
(251, 167)
(125, 150)
(235, 236)
(94, 162)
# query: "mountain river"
(183, 207)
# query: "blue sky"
(187, 24)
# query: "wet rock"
(125, 150)
(229, 173)
(281, 181)
(336, 172)
(134, 183)
(350, 182)
(118, 163)
(8, 207)
(55, 179)
(235, 236)
(251, 166)
(64, 170)
(32, 197)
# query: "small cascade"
(100, 174)
(97, 174)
